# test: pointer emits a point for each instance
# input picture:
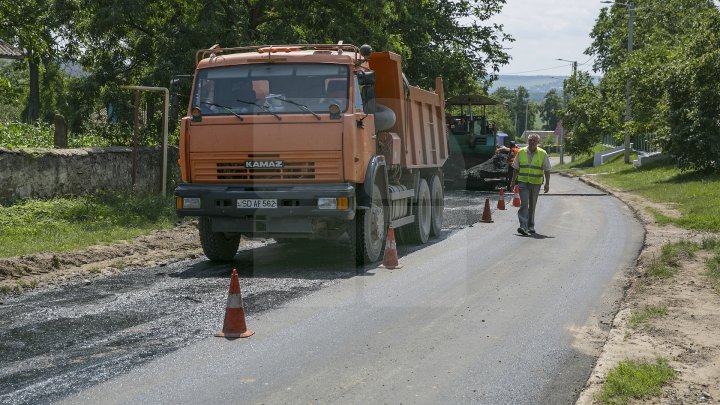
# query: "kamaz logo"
(254, 164)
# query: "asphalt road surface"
(480, 315)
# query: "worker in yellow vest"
(530, 166)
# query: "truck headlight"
(190, 202)
(326, 203)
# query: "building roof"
(8, 51)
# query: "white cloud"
(545, 30)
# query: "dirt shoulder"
(687, 336)
(156, 249)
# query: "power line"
(536, 70)
(550, 68)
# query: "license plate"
(256, 203)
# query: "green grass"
(696, 196)
(713, 264)
(40, 135)
(635, 380)
(640, 317)
(64, 224)
(671, 258)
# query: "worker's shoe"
(523, 231)
(531, 230)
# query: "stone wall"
(47, 173)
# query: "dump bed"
(420, 122)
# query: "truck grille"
(297, 167)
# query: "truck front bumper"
(296, 213)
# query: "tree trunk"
(33, 103)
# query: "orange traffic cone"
(501, 200)
(234, 324)
(390, 259)
(486, 212)
(516, 198)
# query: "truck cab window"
(271, 89)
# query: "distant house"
(8, 51)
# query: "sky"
(545, 30)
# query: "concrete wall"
(54, 172)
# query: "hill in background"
(537, 86)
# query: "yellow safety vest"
(531, 172)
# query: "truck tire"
(217, 246)
(370, 230)
(438, 204)
(419, 231)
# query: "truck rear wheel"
(419, 231)
(438, 204)
(370, 230)
(217, 246)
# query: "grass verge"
(632, 379)
(671, 258)
(63, 224)
(696, 196)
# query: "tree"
(550, 108)
(33, 26)
(673, 40)
(584, 113)
(147, 42)
(693, 107)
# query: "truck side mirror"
(368, 96)
(366, 78)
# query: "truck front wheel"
(370, 230)
(217, 246)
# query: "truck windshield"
(289, 88)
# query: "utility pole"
(561, 140)
(526, 113)
(628, 85)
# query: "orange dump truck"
(310, 142)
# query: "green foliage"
(672, 73)
(550, 110)
(640, 316)
(70, 223)
(40, 135)
(519, 105)
(19, 135)
(584, 114)
(632, 380)
(11, 92)
(145, 42)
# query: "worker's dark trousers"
(528, 200)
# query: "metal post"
(628, 85)
(562, 144)
(135, 138)
(165, 126)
